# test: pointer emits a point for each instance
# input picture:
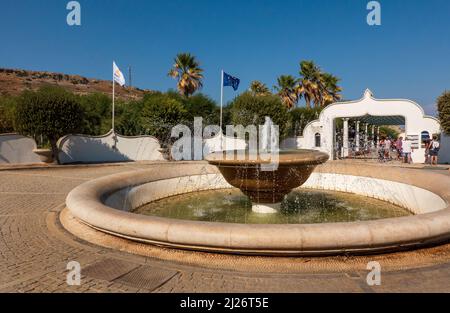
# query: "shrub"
(200, 105)
(7, 107)
(247, 109)
(161, 112)
(300, 117)
(443, 106)
(97, 113)
(388, 132)
(129, 118)
(51, 112)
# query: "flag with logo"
(118, 76)
(229, 80)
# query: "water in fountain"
(302, 206)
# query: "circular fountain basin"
(107, 203)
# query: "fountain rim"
(85, 204)
(284, 158)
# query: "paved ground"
(35, 250)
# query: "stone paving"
(35, 250)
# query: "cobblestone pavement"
(35, 250)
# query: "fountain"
(266, 188)
(194, 205)
(267, 175)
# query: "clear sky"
(408, 56)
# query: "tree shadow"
(84, 150)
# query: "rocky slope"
(14, 81)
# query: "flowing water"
(302, 206)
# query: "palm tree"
(330, 89)
(287, 90)
(308, 86)
(317, 86)
(188, 73)
(258, 88)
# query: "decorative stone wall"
(17, 149)
(108, 148)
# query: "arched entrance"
(363, 134)
(342, 126)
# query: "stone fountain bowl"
(252, 174)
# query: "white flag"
(118, 76)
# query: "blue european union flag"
(229, 80)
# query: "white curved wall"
(108, 148)
(16, 149)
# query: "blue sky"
(408, 56)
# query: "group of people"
(432, 147)
(404, 149)
(386, 146)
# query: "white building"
(367, 115)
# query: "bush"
(129, 118)
(161, 112)
(388, 132)
(200, 105)
(7, 107)
(300, 117)
(51, 112)
(443, 106)
(248, 109)
(97, 113)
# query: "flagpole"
(221, 99)
(113, 103)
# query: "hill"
(14, 81)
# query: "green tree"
(247, 109)
(200, 105)
(300, 117)
(129, 120)
(51, 112)
(443, 107)
(286, 89)
(7, 107)
(387, 131)
(186, 70)
(160, 113)
(97, 113)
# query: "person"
(387, 148)
(398, 146)
(381, 150)
(407, 150)
(427, 151)
(434, 150)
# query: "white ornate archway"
(372, 111)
